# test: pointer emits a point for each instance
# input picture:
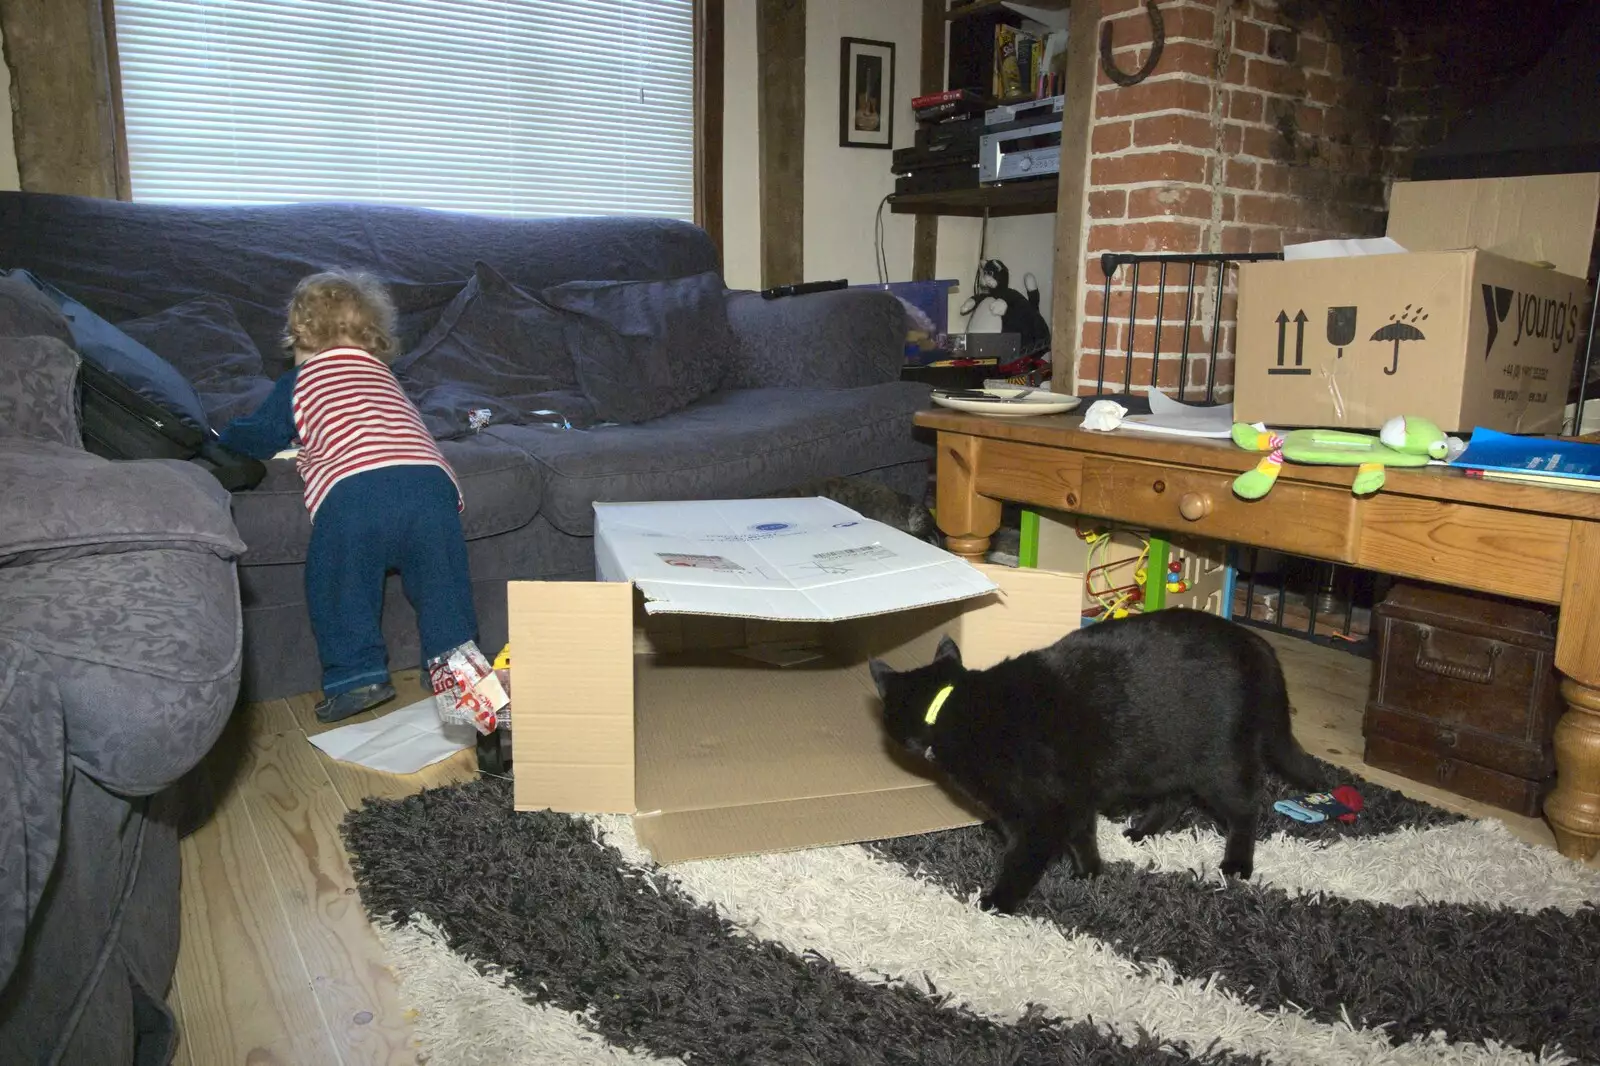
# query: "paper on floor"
(401, 742)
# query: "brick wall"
(1269, 122)
(1255, 129)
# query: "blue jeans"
(394, 518)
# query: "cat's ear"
(881, 673)
(948, 652)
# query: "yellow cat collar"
(938, 701)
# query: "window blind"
(519, 107)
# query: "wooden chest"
(1464, 695)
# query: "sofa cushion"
(644, 349)
(728, 446)
(840, 339)
(420, 306)
(123, 357)
(39, 390)
(501, 488)
(494, 348)
(203, 339)
(59, 502)
(25, 311)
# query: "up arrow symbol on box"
(1299, 343)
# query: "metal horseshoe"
(1158, 40)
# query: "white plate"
(1040, 402)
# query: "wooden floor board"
(296, 812)
(246, 993)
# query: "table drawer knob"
(1194, 506)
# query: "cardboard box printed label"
(1456, 328)
(727, 707)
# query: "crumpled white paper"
(401, 742)
(1104, 415)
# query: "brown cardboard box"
(1451, 330)
(684, 721)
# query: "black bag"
(118, 423)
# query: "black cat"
(1146, 712)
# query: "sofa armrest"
(39, 390)
(844, 339)
(33, 766)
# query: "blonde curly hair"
(341, 309)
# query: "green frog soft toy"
(1403, 441)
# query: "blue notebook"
(1540, 456)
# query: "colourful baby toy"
(1403, 441)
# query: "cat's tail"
(1292, 762)
(1282, 751)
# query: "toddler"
(381, 495)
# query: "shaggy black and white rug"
(1413, 937)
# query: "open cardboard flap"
(717, 753)
(800, 559)
(1548, 218)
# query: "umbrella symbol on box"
(1399, 329)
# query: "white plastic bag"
(466, 689)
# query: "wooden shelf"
(979, 7)
(1036, 197)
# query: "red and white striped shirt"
(351, 415)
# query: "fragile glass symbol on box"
(1341, 327)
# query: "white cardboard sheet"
(1341, 249)
(807, 559)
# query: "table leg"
(966, 518)
(1573, 806)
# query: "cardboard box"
(723, 735)
(1455, 330)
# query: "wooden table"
(1431, 524)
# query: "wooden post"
(63, 96)
(1573, 806)
(1077, 123)
(967, 519)
(925, 232)
(781, 103)
(708, 104)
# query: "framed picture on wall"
(866, 93)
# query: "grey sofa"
(811, 387)
(119, 665)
